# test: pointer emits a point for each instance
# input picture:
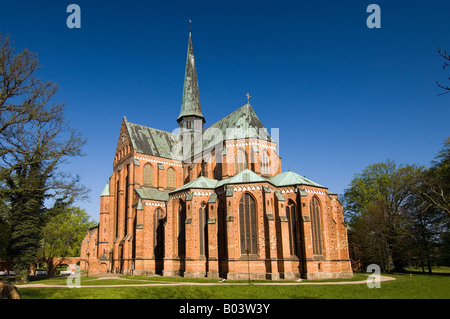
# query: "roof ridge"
(152, 193)
(245, 122)
(235, 179)
(152, 141)
(200, 179)
(152, 128)
(223, 118)
(301, 180)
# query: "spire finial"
(190, 22)
(248, 97)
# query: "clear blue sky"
(343, 95)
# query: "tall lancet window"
(171, 181)
(292, 221)
(265, 163)
(182, 229)
(202, 230)
(240, 161)
(148, 175)
(316, 226)
(248, 225)
(203, 168)
(158, 233)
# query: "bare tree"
(445, 65)
(22, 95)
(435, 188)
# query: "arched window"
(240, 161)
(148, 175)
(202, 229)
(182, 229)
(171, 181)
(316, 227)
(252, 159)
(292, 221)
(203, 168)
(248, 225)
(158, 233)
(265, 163)
(222, 230)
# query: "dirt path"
(168, 283)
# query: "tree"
(35, 139)
(374, 205)
(4, 228)
(430, 211)
(367, 238)
(446, 64)
(423, 232)
(22, 96)
(64, 232)
(436, 181)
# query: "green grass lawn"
(92, 280)
(435, 286)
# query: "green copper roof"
(201, 182)
(290, 178)
(152, 193)
(242, 123)
(150, 141)
(246, 176)
(105, 191)
(190, 104)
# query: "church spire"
(190, 104)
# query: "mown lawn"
(436, 286)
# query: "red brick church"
(213, 202)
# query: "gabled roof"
(201, 182)
(151, 193)
(242, 123)
(290, 178)
(150, 141)
(245, 176)
(245, 123)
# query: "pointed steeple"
(190, 104)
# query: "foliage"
(423, 234)
(64, 232)
(400, 215)
(432, 200)
(435, 189)
(4, 228)
(374, 205)
(34, 140)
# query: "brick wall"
(125, 239)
